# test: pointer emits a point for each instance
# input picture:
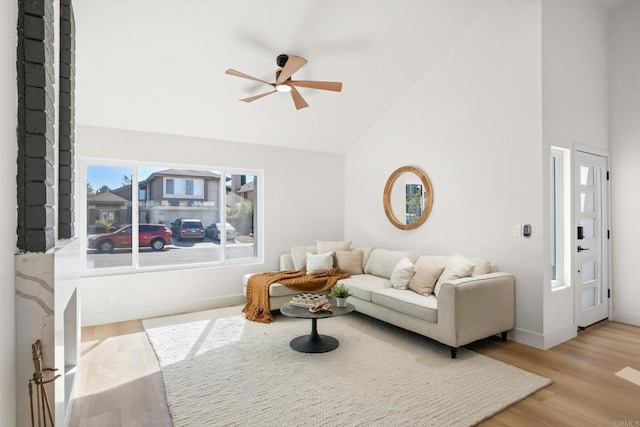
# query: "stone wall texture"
(36, 181)
(66, 133)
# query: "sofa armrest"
(286, 262)
(477, 307)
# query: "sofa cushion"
(362, 285)
(381, 262)
(425, 278)
(366, 251)
(299, 255)
(457, 268)
(319, 263)
(481, 266)
(408, 302)
(350, 261)
(286, 262)
(330, 245)
(402, 273)
(432, 259)
(276, 289)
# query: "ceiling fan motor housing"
(282, 59)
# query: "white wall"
(625, 160)
(473, 124)
(575, 111)
(8, 210)
(304, 201)
(574, 73)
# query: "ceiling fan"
(288, 64)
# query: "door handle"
(580, 249)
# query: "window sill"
(558, 286)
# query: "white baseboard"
(626, 317)
(559, 336)
(160, 310)
(523, 336)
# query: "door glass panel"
(587, 175)
(588, 227)
(588, 298)
(588, 271)
(586, 201)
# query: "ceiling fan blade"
(245, 76)
(334, 86)
(294, 63)
(298, 99)
(253, 98)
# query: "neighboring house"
(169, 194)
(246, 190)
(108, 207)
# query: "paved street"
(185, 252)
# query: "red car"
(155, 236)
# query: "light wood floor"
(119, 382)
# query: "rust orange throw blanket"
(257, 307)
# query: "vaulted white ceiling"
(159, 65)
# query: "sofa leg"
(454, 352)
(504, 336)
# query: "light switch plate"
(515, 230)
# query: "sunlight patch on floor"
(630, 374)
(193, 339)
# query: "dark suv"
(185, 228)
(155, 236)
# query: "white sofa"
(465, 309)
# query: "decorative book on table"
(308, 300)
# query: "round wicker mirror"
(408, 195)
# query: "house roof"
(186, 173)
(106, 197)
(182, 173)
(246, 187)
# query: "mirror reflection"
(408, 197)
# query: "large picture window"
(182, 216)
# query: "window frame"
(559, 211)
(168, 181)
(135, 267)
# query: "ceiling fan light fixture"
(283, 88)
(289, 65)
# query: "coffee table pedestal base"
(314, 343)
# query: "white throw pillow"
(457, 267)
(425, 278)
(481, 267)
(350, 261)
(320, 263)
(299, 255)
(381, 262)
(402, 273)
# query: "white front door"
(591, 238)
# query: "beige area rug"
(221, 370)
